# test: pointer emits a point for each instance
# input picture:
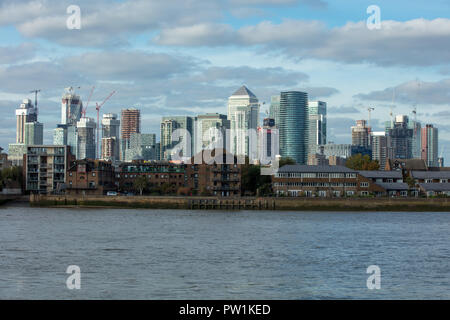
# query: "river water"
(182, 254)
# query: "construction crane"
(36, 91)
(83, 112)
(97, 107)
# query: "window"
(93, 174)
(364, 184)
(364, 193)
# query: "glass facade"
(293, 127)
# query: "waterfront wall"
(211, 203)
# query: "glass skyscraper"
(293, 126)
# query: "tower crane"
(36, 91)
(83, 112)
(97, 107)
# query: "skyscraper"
(243, 113)
(380, 148)
(131, 123)
(86, 138)
(34, 133)
(71, 107)
(24, 114)
(430, 145)
(110, 131)
(416, 139)
(317, 114)
(293, 126)
(274, 112)
(360, 134)
(268, 141)
(400, 137)
(142, 146)
(208, 128)
(168, 126)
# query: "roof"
(381, 174)
(435, 186)
(393, 186)
(408, 164)
(430, 174)
(243, 91)
(315, 169)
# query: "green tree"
(411, 182)
(360, 162)
(140, 184)
(285, 161)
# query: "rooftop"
(435, 186)
(430, 174)
(381, 174)
(244, 91)
(315, 169)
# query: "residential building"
(380, 148)
(293, 126)
(243, 113)
(430, 145)
(361, 134)
(401, 138)
(131, 123)
(34, 133)
(60, 135)
(110, 132)
(45, 168)
(142, 146)
(90, 177)
(24, 114)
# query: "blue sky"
(186, 57)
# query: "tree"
(140, 184)
(411, 182)
(252, 180)
(360, 162)
(285, 161)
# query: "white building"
(243, 113)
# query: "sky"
(186, 57)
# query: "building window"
(93, 174)
(364, 184)
(364, 193)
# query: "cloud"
(15, 54)
(417, 42)
(412, 92)
(320, 92)
(343, 109)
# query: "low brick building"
(323, 181)
(90, 177)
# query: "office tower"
(268, 141)
(142, 147)
(34, 133)
(380, 148)
(243, 113)
(86, 138)
(360, 134)
(209, 129)
(317, 115)
(400, 137)
(417, 139)
(293, 127)
(110, 131)
(131, 123)
(440, 162)
(71, 107)
(430, 145)
(168, 126)
(274, 111)
(24, 114)
(72, 139)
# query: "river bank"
(245, 203)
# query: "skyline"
(194, 63)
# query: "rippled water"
(179, 254)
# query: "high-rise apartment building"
(34, 133)
(142, 147)
(317, 115)
(294, 126)
(381, 150)
(185, 141)
(110, 132)
(400, 138)
(243, 113)
(210, 131)
(86, 138)
(130, 123)
(360, 134)
(24, 114)
(430, 145)
(416, 139)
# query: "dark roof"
(315, 169)
(395, 186)
(244, 91)
(408, 164)
(430, 174)
(435, 186)
(381, 174)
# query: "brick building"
(90, 177)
